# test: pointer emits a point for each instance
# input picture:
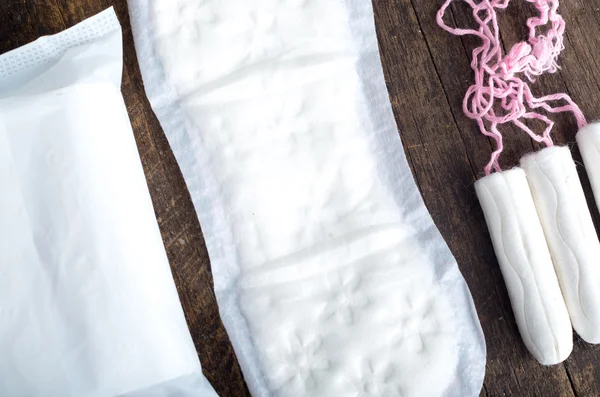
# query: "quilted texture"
(330, 276)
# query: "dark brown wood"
(427, 72)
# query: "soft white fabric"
(88, 307)
(526, 265)
(570, 233)
(330, 276)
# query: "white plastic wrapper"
(330, 276)
(88, 306)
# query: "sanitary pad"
(330, 276)
(88, 306)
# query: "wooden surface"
(427, 71)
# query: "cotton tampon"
(588, 140)
(526, 265)
(570, 234)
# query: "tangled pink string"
(499, 95)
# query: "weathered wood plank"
(510, 370)
(428, 72)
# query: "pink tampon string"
(499, 95)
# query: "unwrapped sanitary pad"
(331, 278)
(88, 306)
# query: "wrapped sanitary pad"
(88, 306)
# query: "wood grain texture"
(427, 72)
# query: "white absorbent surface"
(330, 276)
(526, 265)
(570, 233)
(88, 306)
(588, 141)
